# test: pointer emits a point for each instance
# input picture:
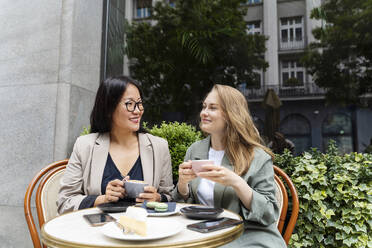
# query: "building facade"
(304, 116)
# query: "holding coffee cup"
(197, 165)
(134, 187)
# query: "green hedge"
(179, 136)
(335, 194)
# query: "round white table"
(72, 230)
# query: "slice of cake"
(134, 221)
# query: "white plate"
(156, 229)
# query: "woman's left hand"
(220, 174)
(150, 194)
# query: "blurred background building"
(304, 117)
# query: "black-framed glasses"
(131, 105)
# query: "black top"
(110, 173)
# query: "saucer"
(201, 212)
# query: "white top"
(205, 189)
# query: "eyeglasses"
(131, 105)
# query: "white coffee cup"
(197, 165)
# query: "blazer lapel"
(147, 158)
(203, 149)
(99, 158)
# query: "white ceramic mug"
(197, 165)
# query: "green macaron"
(161, 207)
(151, 204)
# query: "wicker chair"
(46, 195)
(282, 198)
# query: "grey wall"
(49, 73)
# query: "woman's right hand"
(185, 175)
(114, 191)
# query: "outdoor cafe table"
(72, 230)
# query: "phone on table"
(98, 219)
(213, 225)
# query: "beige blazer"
(84, 171)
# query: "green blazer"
(260, 220)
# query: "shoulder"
(260, 154)
(261, 164)
(85, 143)
(200, 143)
(87, 139)
(199, 146)
(155, 140)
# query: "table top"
(72, 230)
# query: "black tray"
(201, 212)
(116, 207)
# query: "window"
(143, 8)
(338, 127)
(291, 33)
(292, 73)
(297, 129)
(254, 27)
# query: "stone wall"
(49, 73)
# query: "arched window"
(338, 127)
(297, 129)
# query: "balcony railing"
(306, 90)
(292, 44)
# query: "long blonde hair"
(241, 134)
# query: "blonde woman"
(242, 177)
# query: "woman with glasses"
(242, 177)
(117, 149)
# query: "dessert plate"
(172, 209)
(156, 229)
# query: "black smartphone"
(213, 225)
(98, 219)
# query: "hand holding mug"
(149, 194)
(185, 173)
(114, 191)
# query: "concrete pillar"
(270, 29)
(129, 12)
(49, 74)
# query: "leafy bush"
(335, 198)
(179, 137)
(86, 130)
